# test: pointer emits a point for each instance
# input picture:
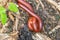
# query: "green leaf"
(3, 16)
(2, 9)
(12, 7)
(0, 17)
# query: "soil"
(50, 17)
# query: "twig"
(40, 2)
(4, 27)
(13, 33)
(54, 29)
(15, 27)
(53, 3)
(3, 36)
(17, 16)
(39, 36)
(11, 16)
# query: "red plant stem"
(34, 22)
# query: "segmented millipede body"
(34, 22)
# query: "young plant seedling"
(3, 16)
(13, 7)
